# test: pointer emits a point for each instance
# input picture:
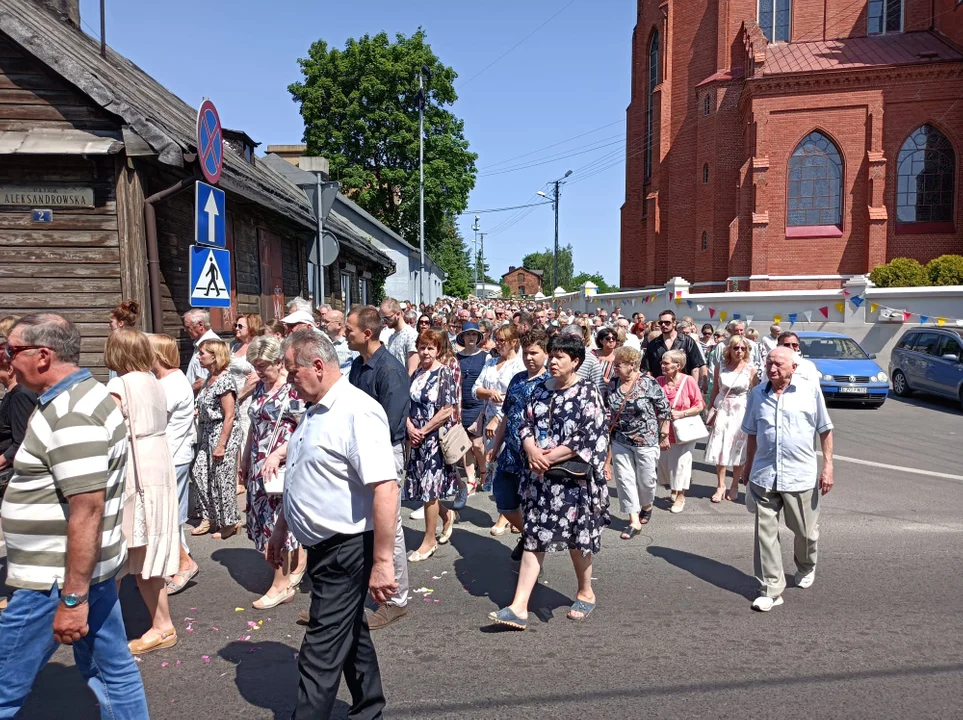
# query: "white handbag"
(688, 429)
(275, 486)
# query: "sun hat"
(298, 317)
(466, 328)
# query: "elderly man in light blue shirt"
(782, 416)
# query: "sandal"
(175, 586)
(580, 606)
(631, 532)
(447, 528)
(227, 532)
(645, 516)
(420, 556)
(498, 531)
(266, 602)
(508, 618)
(202, 529)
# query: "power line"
(504, 209)
(572, 2)
(554, 158)
(547, 147)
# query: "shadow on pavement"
(485, 569)
(711, 571)
(928, 402)
(247, 567)
(54, 683)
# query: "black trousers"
(337, 639)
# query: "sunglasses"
(424, 322)
(11, 351)
(607, 338)
(666, 322)
(238, 326)
(794, 346)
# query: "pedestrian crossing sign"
(210, 271)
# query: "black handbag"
(568, 470)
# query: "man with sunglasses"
(63, 512)
(805, 369)
(672, 340)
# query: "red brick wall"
(520, 277)
(701, 38)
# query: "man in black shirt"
(672, 340)
(378, 373)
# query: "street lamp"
(554, 199)
(476, 227)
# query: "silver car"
(930, 360)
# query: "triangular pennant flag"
(825, 311)
(700, 307)
(792, 318)
(872, 307)
(749, 319)
(678, 293)
(924, 319)
(809, 315)
(736, 316)
(689, 303)
(841, 307)
(857, 300)
(941, 321)
(777, 319)
(723, 315)
(845, 293)
(678, 301)
(907, 316)
(712, 312)
(633, 302)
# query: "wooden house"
(97, 170)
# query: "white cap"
(298, 317)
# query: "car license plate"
(853, 390)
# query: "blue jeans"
(27, 643)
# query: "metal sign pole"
(320, 301)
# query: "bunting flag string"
(792, 319)
(841, 307)
(723, 315)
(872, 307)
(712, 312)
(856, 300)
(825, 311)
(809, 315)
(749, 319)
(777, 319)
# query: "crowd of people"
(307, 432)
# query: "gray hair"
(51, 331)
(324, 307)
(686, 325)
(732, 324)
(299, 303)
(411, 317)
(199, 316)
(264, 347)
(310, 344)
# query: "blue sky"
(569, 78)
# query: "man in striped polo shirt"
(62, 517)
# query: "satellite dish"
(330, 247)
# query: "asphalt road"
(879, 635)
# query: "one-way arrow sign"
(209, 219)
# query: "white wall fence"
(875, 317)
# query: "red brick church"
(770, 139)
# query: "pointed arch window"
(815, 183)
(650, 100)
(705, 240)
(705, 174)
(925, 179)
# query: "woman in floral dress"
(563, 423)
(434, 401)
(214, 472)
(273, 396)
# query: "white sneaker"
(461, 498)
(418, 513)
(764, 603)
(805, 581)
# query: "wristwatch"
(72, 600)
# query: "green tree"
(506, 291)
(360, 111)
(579, 280)
(454, 257)
(545, 261)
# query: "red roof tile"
(860, 52)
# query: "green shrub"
(946, 270)
(900, 272)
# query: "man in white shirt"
(805, 369)
(403, 341)
(197, 324)
(341, 503)
(335, 329)
(768, 344)
(782, 415)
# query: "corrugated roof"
(162, 119)
(859, 52)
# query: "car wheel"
(900, 386)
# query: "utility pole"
(481, 237)
(557, 185)
(421, 183)
(476, 227)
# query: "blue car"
(929, 359)
(847, 372)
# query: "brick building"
(523, 281)
(768, 139)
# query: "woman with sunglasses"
(607, 340)
(246, 329)
(726, 447)
(424, 323)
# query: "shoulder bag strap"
(133, 435)
(625, 399)
(277, 423)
